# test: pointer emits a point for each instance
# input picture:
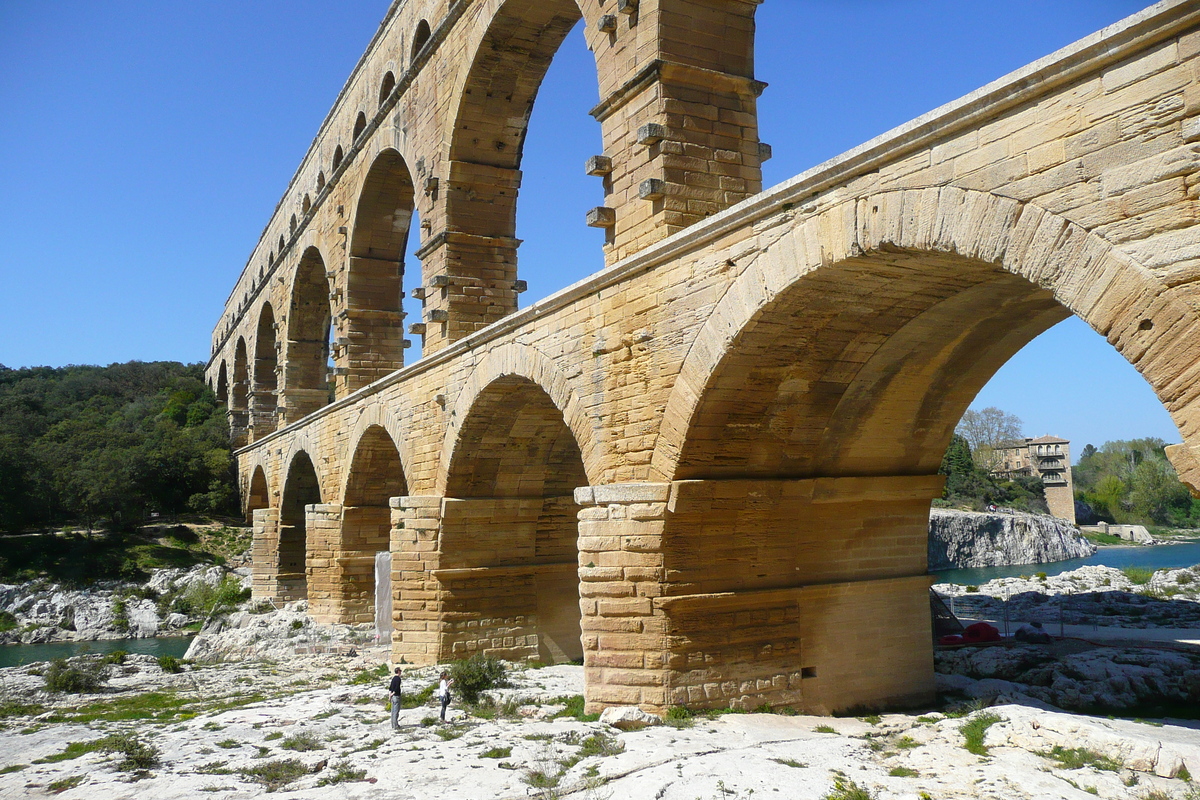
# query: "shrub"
(8, 622)
(1078, 757)
(1138, 575)
(81, 677)
(276, 774)
(846, 789)
(497, 752)
(343, 772)
(574, 708)
(115, 657)
(476, 675)
(138, 755)
(170, 664)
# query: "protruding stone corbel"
(602, 217)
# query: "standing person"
(394, 692)
(444, 693)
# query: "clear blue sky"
(146, 143)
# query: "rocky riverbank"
(316, 726)
(173, 600)
(1094, 595)
(960, 539)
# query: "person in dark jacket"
(394, 691)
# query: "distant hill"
(110, 445)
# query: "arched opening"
(337, 157)
(419, 39)
(360, 125)
(376, 475)
(282, 244)
(483, 176)
(301, 489)
(386, 86)
(263, 401)
(239, 422)
(306, 205)
(306, 368)
(258, 495)
(374, 284)
(222, 389)
(516, 465)
(828, 383)
(292, 224)
(320, 181)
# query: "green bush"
(301, 742)
(115, 657)
(81, 677)
(170, 664)
(276, 774)
(8, 622)
(476, 675)
(137, 755)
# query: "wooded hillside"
(110, 445)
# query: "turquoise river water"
(1163, 556)
(12, 655)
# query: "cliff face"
(968, 539)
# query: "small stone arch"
(239, 394)
(258, 493)
(222, 387)
(420, 37)
(301, 489)
(360, 125)
(306, 205)
(337, 157)
(376, 415)
(320, 181)
(386, 86)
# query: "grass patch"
(790, 762)
(343, 772)
(903, 772)
(975, 729)
(574, 708)
(906, 743)
(272, 736)
(1079, 757)
(600, 744)
(12, 708)
(497, 752)
(213, 768)
(275, 775)
(63, 784)
(229, 744)
(825, 729)
(72, 751)
(12, 768)
(302, 742)
(170, 664)
(154, 706)
(679, 717)
(1138, 575)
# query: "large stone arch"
(264, 380)
(239, 396)
(804, 434)
(371, 338)
(1076, 272)
(258, 492)
(306, 345)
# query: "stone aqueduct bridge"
(706, 469)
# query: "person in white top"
(443, 693)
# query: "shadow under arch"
(262, 394)
(306, 351)
(831, 376)
(509, 526)
(374, 328)
(375, 475)
(258, 494)
(301, 489)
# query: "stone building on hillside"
(1048, 458)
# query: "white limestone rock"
(969, 539)
(628, 718)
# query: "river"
(12, 655)
(1163, 556)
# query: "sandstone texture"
(971, 539)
